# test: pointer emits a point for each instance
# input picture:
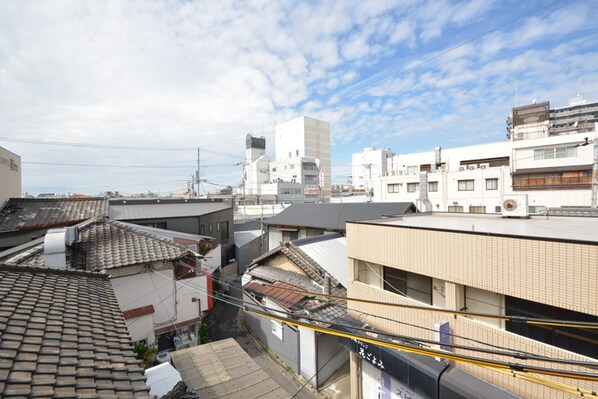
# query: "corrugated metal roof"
(222, 369)
(38, 213)
(335, 216)
(242, 238)
(330, 252)
(159, 211)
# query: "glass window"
(393, 188)
(491, 184)
(412, 170)
(466, 185)
(224, 230)
(210, 228)
(455, 209)
(477, 209)
(411, 285)
(433, 186)
(412, 187)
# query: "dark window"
(201, 229)
(289, 235)
(412, 187)
(210, 228)
(224, 230)
(411, 285)
(578, 340)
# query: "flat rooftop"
(554, 228)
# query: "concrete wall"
(331, 356)
(10, 175)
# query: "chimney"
(55, 246)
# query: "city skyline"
(135, 88)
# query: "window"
(555, 152)
(477, 209)
(210, 228)
(201, 229)
(412, 187)
(455, 209)
(274, 169)
(411, 285)
(393, 188)
(412, 170)
(497, 209)
(578, 340)
(289, 235)
(218, 226)
(433, 186)
(224, 230)
(466, 185)
(491, 184)
(292, 166)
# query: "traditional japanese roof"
(43, 213)
(62, 335)
(105, 244)
(335, 216)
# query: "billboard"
(532, 113)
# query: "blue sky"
(172, 76)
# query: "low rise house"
(62, 334)
(266, 284)
(213, 218)
(25, 219)
(477, 285)
(308, 220)
(158, 283)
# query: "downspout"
(446, 366)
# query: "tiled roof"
(335, 216)
(34, 213)
(62, 335)
(283, 297)
(104, 244)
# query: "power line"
(442, 53)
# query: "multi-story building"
(301, 171)
(554, 171)
(369, 164)
(537, 120)
(478, 281)
(10, 175)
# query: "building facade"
(369, 164)
(474, 265)
(10, 175)
(554, 171)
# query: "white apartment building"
(301, 171)
(553, 171)
(10, 175)
(369, 164)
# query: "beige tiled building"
(543, 267)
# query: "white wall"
(10, 175)
(142, 328)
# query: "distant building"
(369, 164)
(10, 175)
(302, 169)
(538, 120)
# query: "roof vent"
(55, 246)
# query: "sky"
(131, 89)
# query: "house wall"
(558, 274)
(286, 348)
(309, 356)
(142, 328)
(331, 356)
(247, 253)
(10, 175)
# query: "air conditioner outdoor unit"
(461, 168)
(514, 205)
(484, 165)
(471, 167)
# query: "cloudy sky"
(135, 87)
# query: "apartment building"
(301, 171)
(369, 164)
(539, 267)
(553, 171)
(10, 175)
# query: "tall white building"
(306, 137)
(369, 164)
(301, 171)
(10, 175)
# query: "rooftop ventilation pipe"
(55, 246)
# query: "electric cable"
(317, 371)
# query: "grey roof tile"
(35, 213)
(37, 359)
(133, 211)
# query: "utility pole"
(197, 172)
